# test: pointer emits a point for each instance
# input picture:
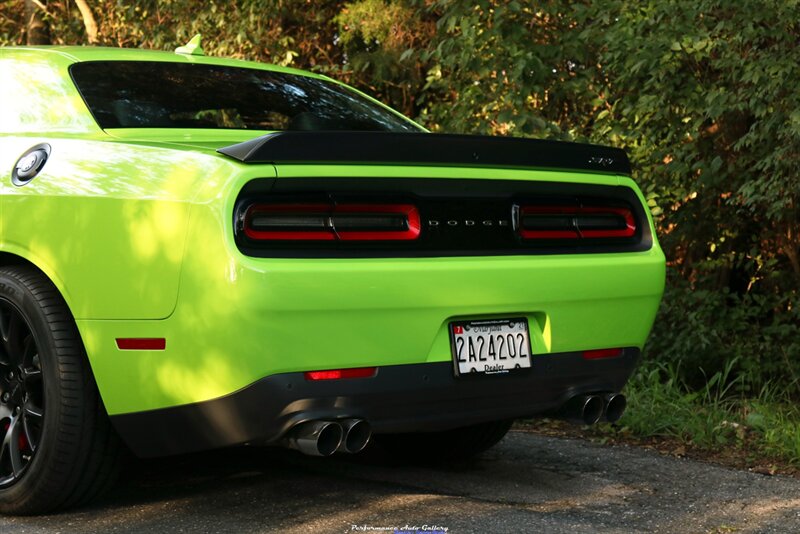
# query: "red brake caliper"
(23, 441)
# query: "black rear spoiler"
(426, 149)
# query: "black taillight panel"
(386, 217)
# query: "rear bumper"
(400, 398)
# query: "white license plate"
(491, 346)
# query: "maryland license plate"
(491, 346)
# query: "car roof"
(76, 54)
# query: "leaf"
(755, 420)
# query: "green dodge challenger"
(199, 253)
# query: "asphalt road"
(528, 483)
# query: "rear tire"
(58, 448)
(455, 445)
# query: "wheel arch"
(10, 257)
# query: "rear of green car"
(256, 318)
(254, 255)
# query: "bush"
(700, 332)
(763, 424)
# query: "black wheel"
(449, 446)
(58, 448)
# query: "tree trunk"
(36, 28)
(88, 21)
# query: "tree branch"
(40, 5)
(88, 20)
(36, 29)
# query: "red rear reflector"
(141, 343)
(600, 354)
(338, 374)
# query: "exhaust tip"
(357, 434)
(583, 409)
(316, 438)
(592, 409)
(615, 407)
(330, 437)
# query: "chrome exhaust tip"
(615, 404)
(583, 409)
(592, 409)
(316, 438)
(357, 433)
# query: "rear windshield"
(145, 94)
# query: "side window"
(36, 97)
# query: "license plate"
(490, 347)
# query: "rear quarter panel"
(106, 221)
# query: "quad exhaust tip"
(357, 434)
(583, 409)
(323, 438)
(316, 438)
(589, 409)
(615, 404)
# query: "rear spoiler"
(426, 149)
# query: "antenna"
(192, 48)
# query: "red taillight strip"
(548, 234)
(283, 235)
(330, 233)
(141, 343)
(625, 213)
(338, 374)
(412, 220)
(576, 233)
(600, 354)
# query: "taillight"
(288, 221)
(379, 222)
(332, 222)
(575, 222)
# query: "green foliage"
(778, 425)
(509, 68)
(713, 416)
(12, 22)
(275, 31)
(378, 39)
(661, 405)
(375, 23)
(703, 330)
(704, 104)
